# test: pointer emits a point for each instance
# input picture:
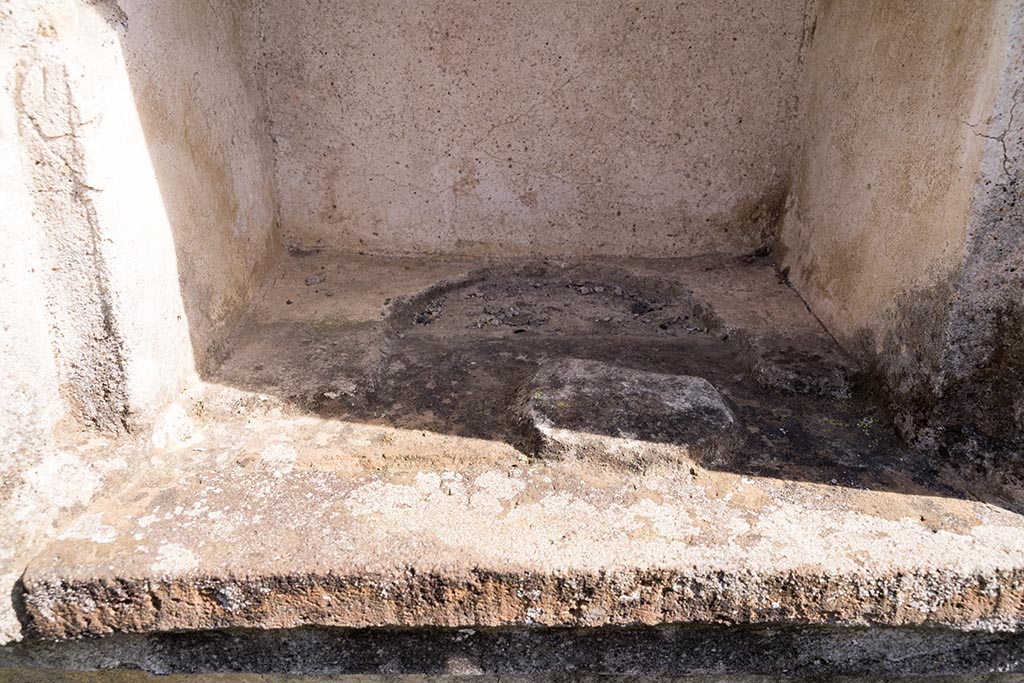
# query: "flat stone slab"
(219, 540)
(574, 408)
(271, 499)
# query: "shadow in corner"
(18, 601)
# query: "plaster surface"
(30, 400)
(123, 246)
(151, 193)
(896, 230)
(199, 106)
(532, 127)
(886, 94)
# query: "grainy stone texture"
(902, 229)
(576, 127)
(138, 211)
(596, 411)
(277, 538)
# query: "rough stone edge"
(56, 608)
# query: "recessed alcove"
(568, 314)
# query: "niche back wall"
(589, 127)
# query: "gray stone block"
(575, 408)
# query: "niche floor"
(409, 442)
(450, 347)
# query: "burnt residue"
(985, 359)
(801, 366)
(951, 365)
(991, 392)
(762, 216)
(909, 365)
(454, 357)
(905, 361)
(303, 252)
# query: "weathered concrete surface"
(531, 127)
(268, 519)
(902, 230)
(983, 363)
(583, 409)
(446, 345)
(144, 152)
(111, 214)
(887, 89)
(30, 400)
(62, 366)
(374, 438)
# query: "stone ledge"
(551, 545)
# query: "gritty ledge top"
(559, 545)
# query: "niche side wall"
(578, 127)
(194, 85)
(897, 229)
(139, 214)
